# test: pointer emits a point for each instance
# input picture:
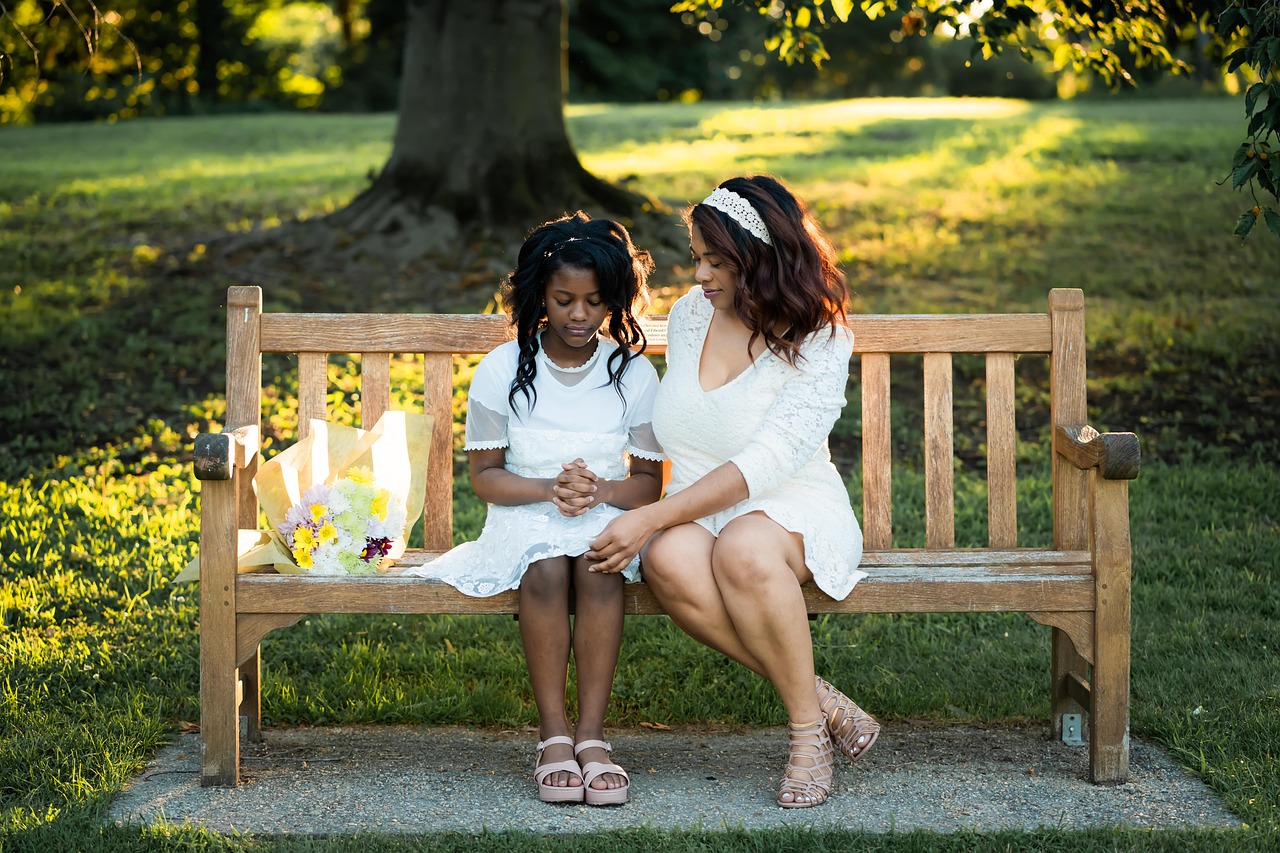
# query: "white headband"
(740, 211)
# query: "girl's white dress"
(772, 422)
(577, 413)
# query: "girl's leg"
(597, 636)
(677, 567)
(544, 631)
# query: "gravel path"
(398, 779)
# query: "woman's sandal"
(556, 793)
(592, 770)
(808, 783)
(847, 722)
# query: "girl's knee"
(546, 577)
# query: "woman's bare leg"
(758, 567)
(597, 637)
(677, 567)
(544, 632)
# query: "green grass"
(111, 361)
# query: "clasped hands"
(575, 492)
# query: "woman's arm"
(623, 537)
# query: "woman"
(757, 362)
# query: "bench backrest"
(375, 338)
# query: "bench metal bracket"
(1073, 729)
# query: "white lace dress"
(772, 422)
(577, 414)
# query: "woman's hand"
(621, 540)
(573, 491)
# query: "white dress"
(577, 413)
(772, 422)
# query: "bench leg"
(251, 697)
(219, 684)
(1065, 667)
(1109, 693)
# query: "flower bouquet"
(340, 501)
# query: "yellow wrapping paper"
(396, 449)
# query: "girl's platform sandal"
(555, 793)
(592, 770)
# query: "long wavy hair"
(794, 284)
(576, 241)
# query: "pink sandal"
(555, 793)
(848, 723)
(593, 770)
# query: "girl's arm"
(642, 485)
(494, 484)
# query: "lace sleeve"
(487, 406)
(641, 441)
(802, 414)
(486, 429)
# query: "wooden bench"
(1079, 586)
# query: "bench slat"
(877, 470)
(375, 387)
(437, 382)
(939, 487)
(887, 590)
(479, 333)
(313, 385)
(1002, 498)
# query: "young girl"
(552, 419)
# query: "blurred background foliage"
(113, 59)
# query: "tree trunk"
(481, 136)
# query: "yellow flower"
(379, 508)
(328, 533)
(318, 511)
(361, 474)
(303, 556)
(304, 538)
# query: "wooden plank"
(375, 387)
(939, 503)
(1070, 485)
(313, 386)
(244, 381)
(1109, 687)
(219, 726)
(480, 333)
(954, 333)
(877, 453)
(1002, 447)
(886, 591)
(437, 513)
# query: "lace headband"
(740, 211)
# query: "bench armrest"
(218, 454)
(1116, 455)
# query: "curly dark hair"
(576, 241)
(793, 284)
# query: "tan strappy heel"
(555, 793)
(809, 782)
(847, 722)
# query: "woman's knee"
(675, 555)
(751, 555)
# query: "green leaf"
(1227, 20)
(1245, 224)
(1236, 58)
(1273, 221)
(1241, 174)
(1251, 97)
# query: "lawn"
(110, 362)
